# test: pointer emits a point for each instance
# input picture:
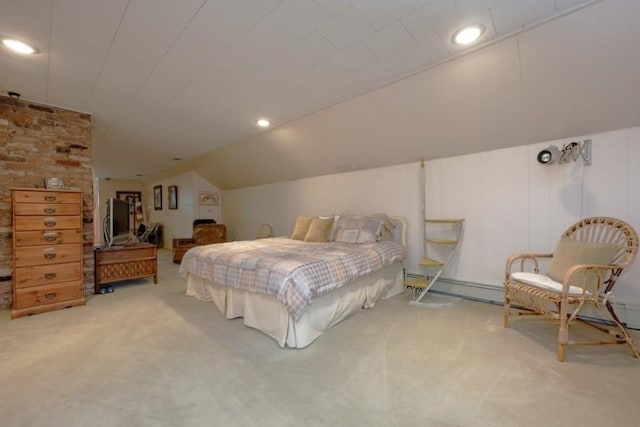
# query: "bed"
(294, 290)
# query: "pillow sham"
(570, 252)
(363, 229)
(319, 230)
(334, 224)
(302, 227)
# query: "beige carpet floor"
(147, 355)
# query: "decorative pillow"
(301, 228)
(362, 229)
(319, 230)
(334, 224)
(570, 252)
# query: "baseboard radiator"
(494, 294)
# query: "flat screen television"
(116, 230)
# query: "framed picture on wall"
(209, 198)
(157, 197)
(173, 196)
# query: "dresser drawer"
(48, 294)
(26, 277)
(47, 209)
(33, 196)
(32, 238)
(27, 223)
(27, 256)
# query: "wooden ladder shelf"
(443, 247)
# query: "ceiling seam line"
(222, 55)
(106, 58)
(492, 42)
(166, 52)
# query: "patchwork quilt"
(291, 271)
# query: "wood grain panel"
(26, 277)
(38, 238)
(47, 255)
(48, 294)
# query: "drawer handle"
(50, 255)
(51, 295)
(50, 198)
(49, 210)
(50, 237)
(50, 222)
(50, 276)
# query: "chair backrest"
(264, 231)
(607, 230)
(203, 221)
(205, 234)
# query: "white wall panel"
(509, 201)
(607, 183)
(509, 207)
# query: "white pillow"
(545, 282)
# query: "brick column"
(38, 141)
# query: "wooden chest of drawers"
(47, 250)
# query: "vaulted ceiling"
(168, 79)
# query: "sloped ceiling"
(166, 79)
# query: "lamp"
(549, 155)
(569, 152)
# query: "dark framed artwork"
(157, 197)
(173, 196)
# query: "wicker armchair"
(203, 234)
(588, 260)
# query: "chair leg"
(507, 308)
(563, 331)
(561, 349)
(625, 335)
(563, 339)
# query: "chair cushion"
(545, 282)
(570, 252)
(301, 227)
(319, 230)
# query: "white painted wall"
(510, 202)
(179, 222)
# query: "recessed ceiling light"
(468, 35)
(19, 46)
(263, 123)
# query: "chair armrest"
(524, 257)
(589, 271)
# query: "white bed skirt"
(271, 317)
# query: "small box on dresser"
(47, 250)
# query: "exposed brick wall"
(39, 141)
